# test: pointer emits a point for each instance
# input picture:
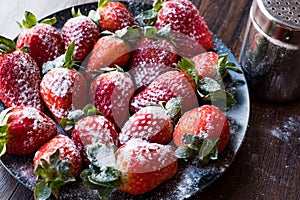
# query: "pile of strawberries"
(122, 88)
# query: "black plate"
(189, 179)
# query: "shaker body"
(270, 63)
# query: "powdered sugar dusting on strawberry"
(63, 90)
(44, 40)
(111, 93)
(19, 80)
(62, 83)
(84, 32)
(96, 129)
(67, 149)
(115, 16)
(185, 18)
(139, 156)
(151, 123)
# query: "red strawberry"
(212, 65)
(138, 168)
(169, 85)
(108, 51)
(84, 32)
(206, 64)
(56, 163)
(114, 16)
(44, 41)
(189, 25)
(150, 59)
(63, 90)
(24, 129)
(152, 123)
(111, 93)
(90, 128)
(19, 77)
(205, 122)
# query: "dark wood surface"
(268, 164)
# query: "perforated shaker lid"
(279, 19)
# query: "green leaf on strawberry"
(199, 149)
(52, 175)
(6, 45)
(225, 66)
(31, 20)
(188, 66)
(130, 34)
(103, 2)
(100, 177)
(74, 13)
(68, 122)
(149, 17)
(66, 60)
(49, 21)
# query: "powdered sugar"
(139, 156)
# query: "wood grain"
(267, 166)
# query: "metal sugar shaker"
(270, 54)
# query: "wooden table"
(267, 166)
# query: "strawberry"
(206, 127)
(108, 51)
(114, 16)
(187, 24)
(214, 66)
(19, 77)
(137, 167)
(206, 64)
(83, 31)
(64, 89)
(152, 57)
(152, 123)
(56, 163)
(24, 129)
(171, 84)
(90, 127)
(44, 40)
(111, 93)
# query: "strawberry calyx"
(74, 13)
(68, 122)
(209, 90)
(31, 20)
(133, 34)
(102, 3)
(225, 66)
(199, 149)
(4, 115)
(64, 61)
(173, 108)
(149, 17)
(6, 45)
(101, 177)
(52, 175)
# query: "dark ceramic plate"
(189, 179)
